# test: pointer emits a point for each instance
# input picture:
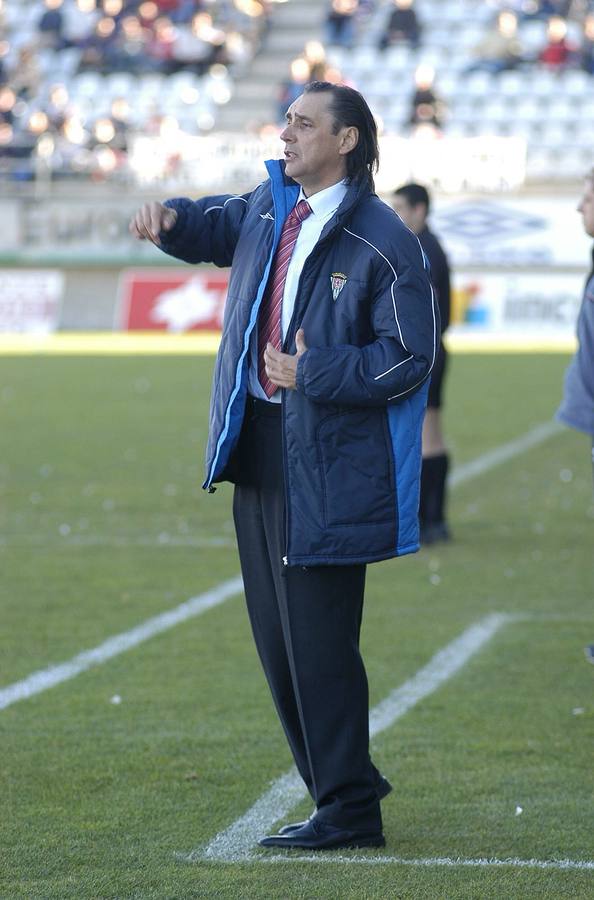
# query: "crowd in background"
(51, 117)
(567, 43)
(47, 46)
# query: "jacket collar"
(356, 192)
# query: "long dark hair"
(350, 108)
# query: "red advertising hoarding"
(173, 300)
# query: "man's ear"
(349, 140)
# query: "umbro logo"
(479, 222)
(266, 216)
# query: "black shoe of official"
(316, 835)
(383, 788)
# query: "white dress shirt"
(323, 206)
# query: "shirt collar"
(325, 202)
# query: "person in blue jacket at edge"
(577, 405)
(319, 391)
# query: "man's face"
(586, 207)
(412, 216)
(315, 157)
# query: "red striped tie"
(269, 319)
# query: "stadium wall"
(519, 260)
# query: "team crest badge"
(338, 281)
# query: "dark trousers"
(306, 624)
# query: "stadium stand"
(79, 78)
(536, 83)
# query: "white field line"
(47, 678)
(428, 862)
(236, 843)
(505, 452)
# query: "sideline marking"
(110, 343)
(236, 843)
(47, 678)
(206, 343)
(505, 452)
(446, 861)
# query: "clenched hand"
(150, 220)
(281, 368)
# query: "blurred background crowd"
(79, 79)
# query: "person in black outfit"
(411, 202)
(403, 26)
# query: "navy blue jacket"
(352, 428)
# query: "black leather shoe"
(383, 788)
(316, 835)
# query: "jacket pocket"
(357, 468)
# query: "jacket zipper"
(285, 479)
(290, 335)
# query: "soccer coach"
(319, 392)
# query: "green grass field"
(103, 524)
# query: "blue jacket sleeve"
(405, 322)
(206, 230)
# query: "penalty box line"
(46, 678)
(236, 843)
(43, 679)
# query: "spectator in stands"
(427, 110)
(25, 77)
(544, 9)
(500, 49)
(403, 26)
(293, 86)
(312, 66)
(586, 51)
(79, 22)
(315, 55)
(4, 49)
(558, 52)
(340, 23)
(8, 99)
(412, 203)
(51, 23)
(184, 11)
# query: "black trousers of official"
(306, 624)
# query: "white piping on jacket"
(408, 390)
(408, 358)
(210, 208)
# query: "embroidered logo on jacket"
(266, 216)
(338, 281)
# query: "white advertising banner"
(30, 300)
(235, 162)
(486, 232)
(512, 232)
(526, 304)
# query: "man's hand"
(281, 368)
(150, 220)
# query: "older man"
(319, 392)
